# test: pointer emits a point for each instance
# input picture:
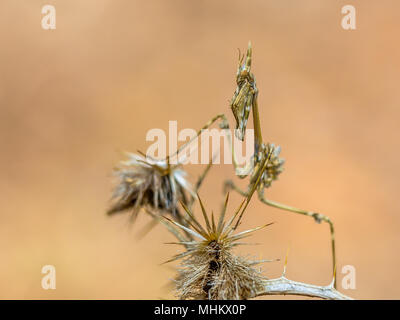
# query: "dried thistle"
(145, 182)
(209, 269)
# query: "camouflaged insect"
(245, 97)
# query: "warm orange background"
(72, 97)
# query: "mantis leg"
(229, 184)
(318, 217)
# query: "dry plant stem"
(284, 286)
(316, 216)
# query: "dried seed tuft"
(146, 182)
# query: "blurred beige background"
(71, 98)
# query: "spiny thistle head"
(209, 269)
(146, 182)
